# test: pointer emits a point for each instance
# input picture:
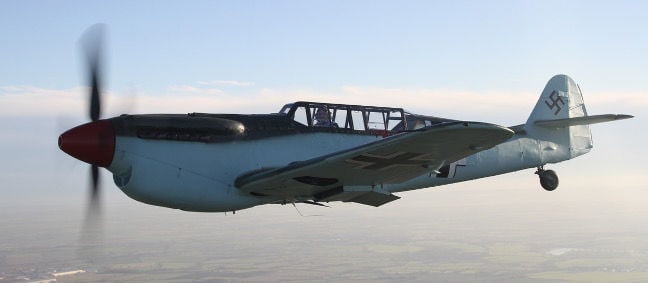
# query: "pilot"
(323, 118)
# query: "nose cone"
(93, 142)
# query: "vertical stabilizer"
(560, 99)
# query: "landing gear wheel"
(548, 179)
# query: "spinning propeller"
(92, 44)
(93, 142)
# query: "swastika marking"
(555, 99)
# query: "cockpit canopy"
(343, 116)
(355, 117)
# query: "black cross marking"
(555, 98)
(377, 162)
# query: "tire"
(548, 180)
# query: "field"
(452, 235)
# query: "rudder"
(560, 99)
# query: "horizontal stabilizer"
(579, 121)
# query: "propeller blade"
(91, 235)
(94, 188)
(92, 44)
(95, 101)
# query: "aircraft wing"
(394, 159)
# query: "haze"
(465, 60)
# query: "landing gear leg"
(548, 178)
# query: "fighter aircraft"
(316, 152)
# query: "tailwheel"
(548, 179)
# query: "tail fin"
(561, 99)
(559, 121)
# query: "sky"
(471, 60)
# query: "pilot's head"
(322, 115)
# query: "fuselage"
(189, 174)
